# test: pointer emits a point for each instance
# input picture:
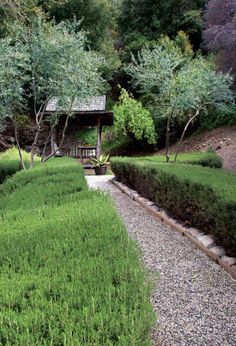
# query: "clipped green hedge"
(203, 196)
(69, 273)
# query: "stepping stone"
(195, 232)
(207, 240)
(218, 251)
(229, 260)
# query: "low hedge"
(10, 163)
(204, 197)
(69, 273)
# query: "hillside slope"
(223, 140)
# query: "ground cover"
(205, 159)
(200, 196)
(70, 275)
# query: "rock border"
(204, 242)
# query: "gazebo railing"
(81, 152)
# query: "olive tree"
(198, 88)
(61, 67)
(153, 74)
(179, 86)
(14, 60)
(58, 66)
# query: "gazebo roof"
(87, 112)
(91, 104)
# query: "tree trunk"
(52, 140)
(47, 141)
(22, 164)
(168, 139)
(63, 132)
(99, 139)
(39, 120)
(183, 134)
(61, 142)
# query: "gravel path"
(194, 299)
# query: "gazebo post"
(99, 138)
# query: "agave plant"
(99, 161)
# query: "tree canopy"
(143, 21)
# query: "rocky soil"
(223, 140)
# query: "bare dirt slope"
(223, 140)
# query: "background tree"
(178, 86)
(144, 21)
(220, 33)
(59, 66)
(14, 60)
(153, 74)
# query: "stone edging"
(204, 242)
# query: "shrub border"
(153, 209)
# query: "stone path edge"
(164, 218)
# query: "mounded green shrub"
(204, 197)
(69, 273)
(10, 163)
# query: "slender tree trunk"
(52, 141)
(168, 139)
(63, 132)
(22, 164)
(61, 142)
(39, 120)
(47, 141)
(183, 134)
(99, 139)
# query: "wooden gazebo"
(88, 113)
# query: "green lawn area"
(196, 158)
(69, 273)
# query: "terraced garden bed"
(69, 273)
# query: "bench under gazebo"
(87, 114)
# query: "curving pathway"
(194, 299)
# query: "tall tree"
(179, 87)
(14, 61)
(59, 66)
(220, 33)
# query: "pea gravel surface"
(194, 299)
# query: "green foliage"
(14, 62)
(60, 65)
(205, 197)
(99, 161)
(98, 17)
(154, 69)
(147, 20)
(116, 146)
(176, 85)
(10, 164)
(131, 119)
(87, 136)
(69, 272)
(205, 159)
(218, 118)
(51, 60)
